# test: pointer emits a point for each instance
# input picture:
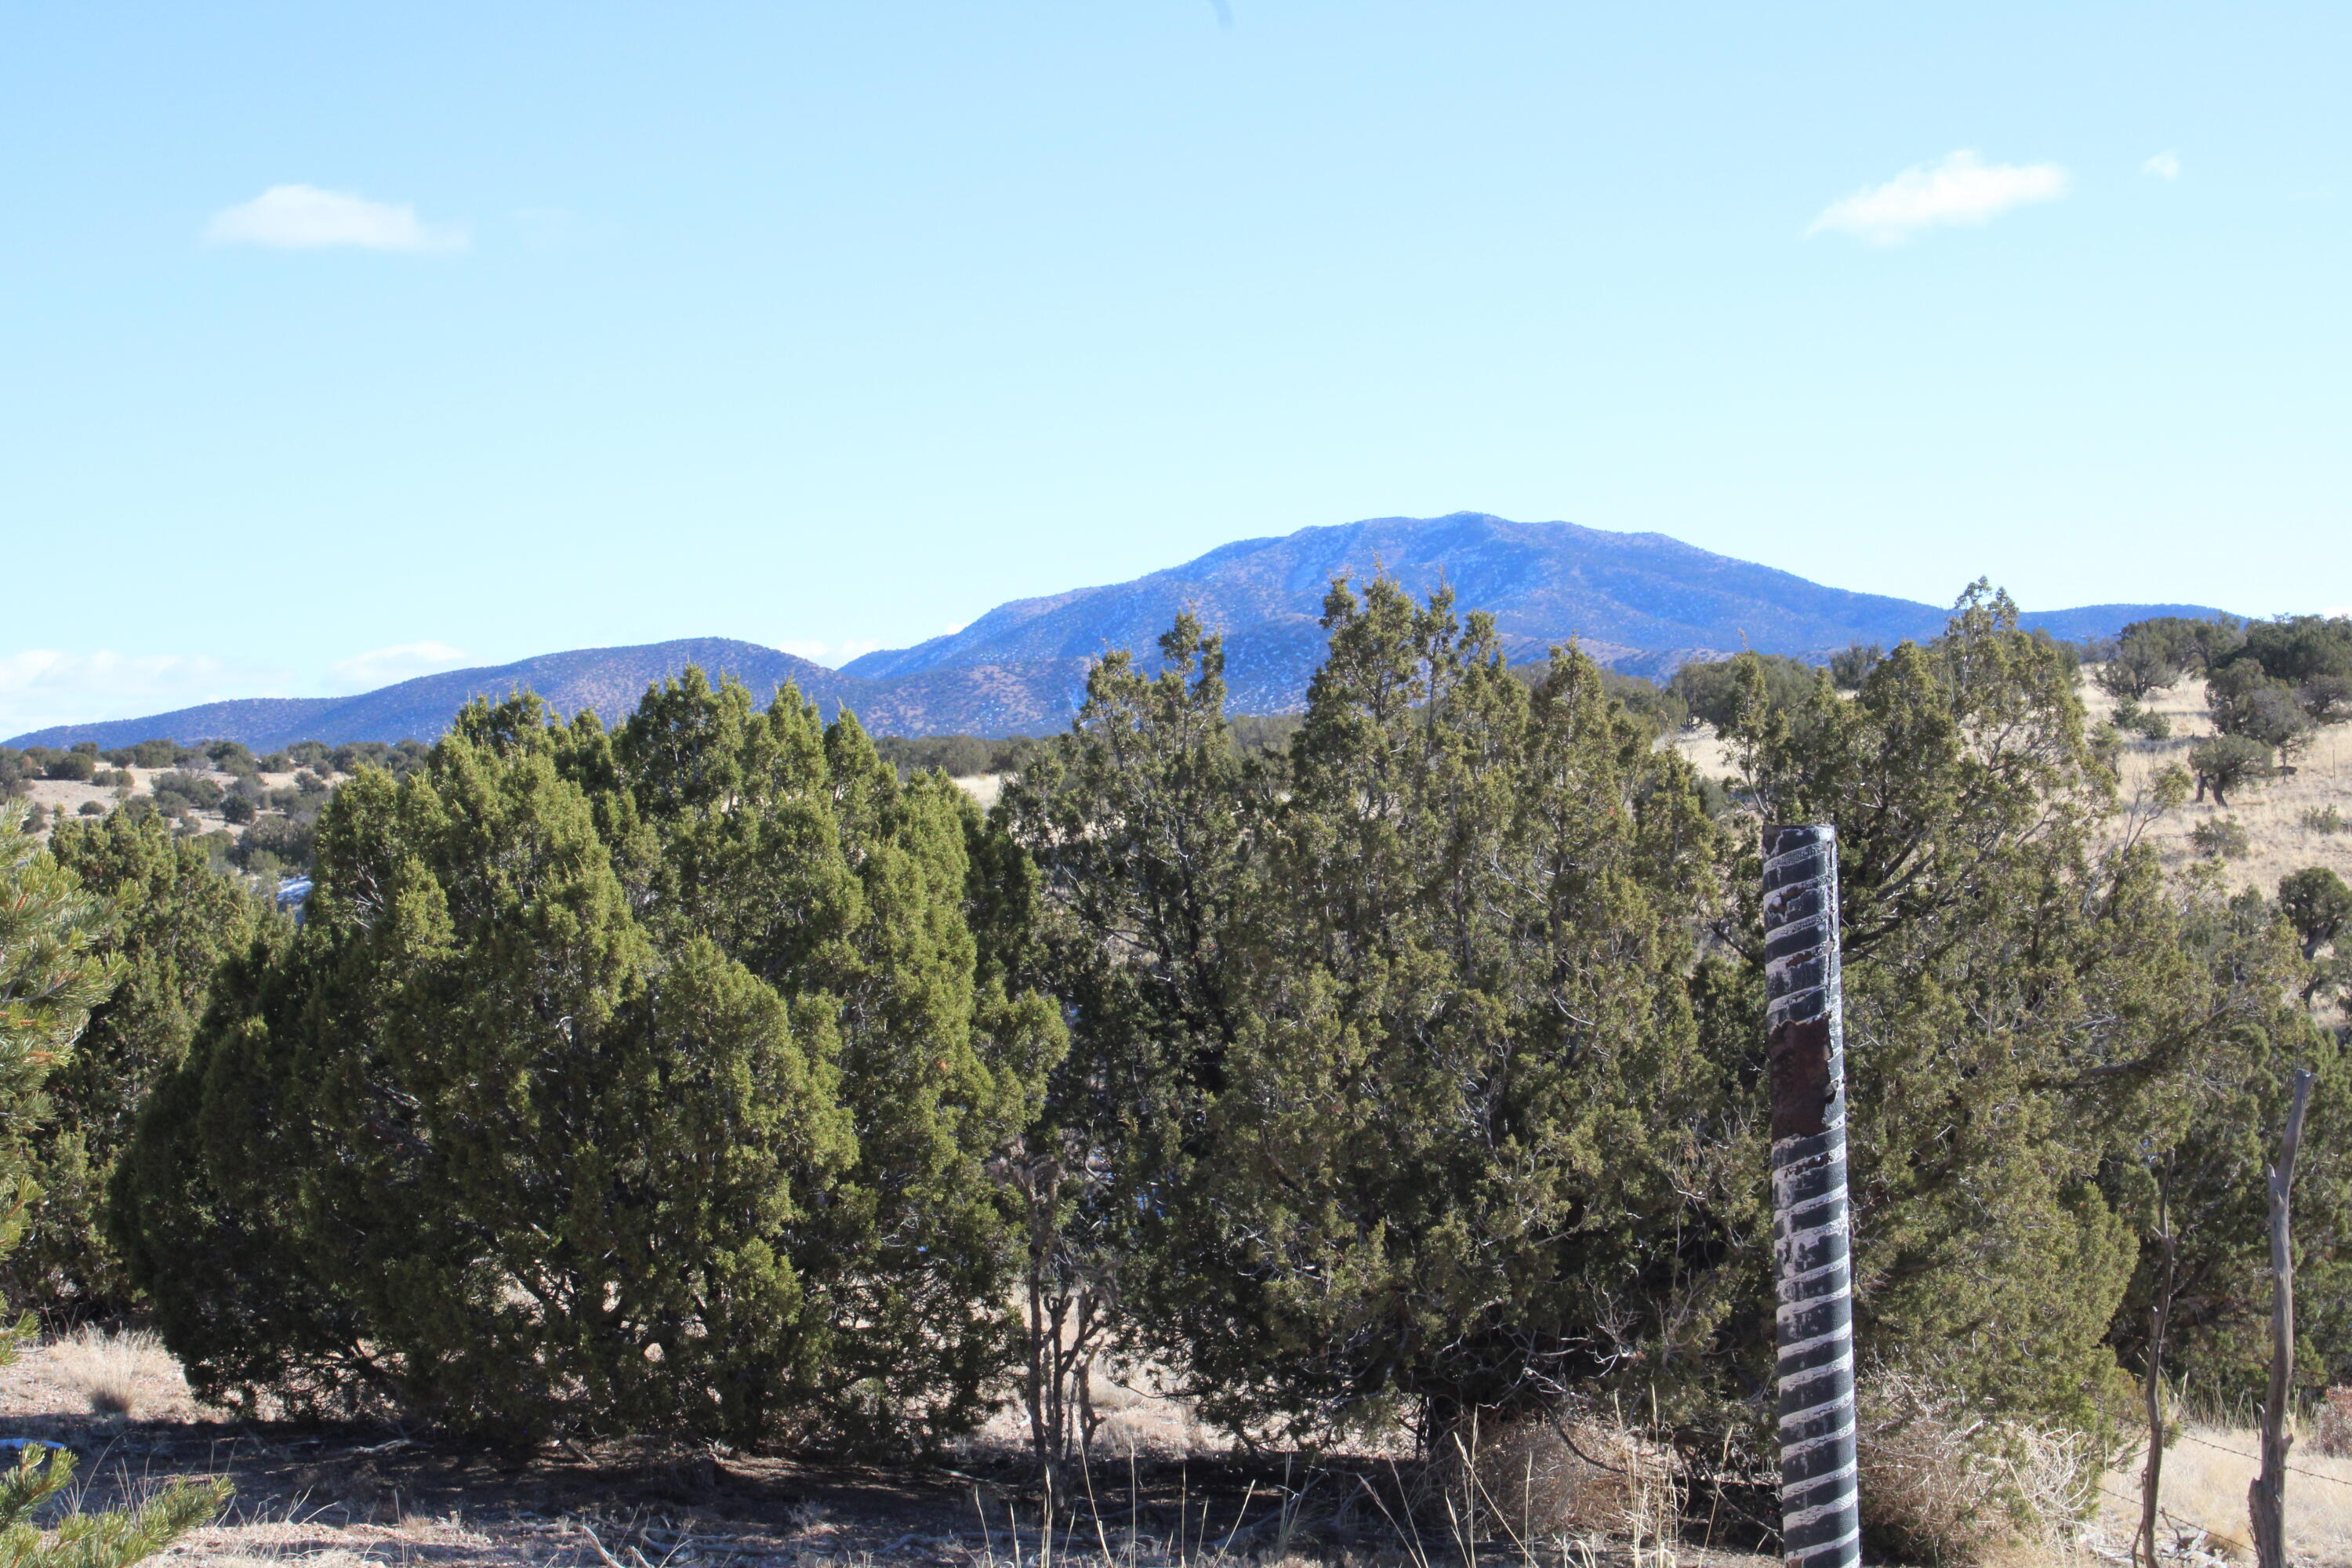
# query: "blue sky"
(343, 343)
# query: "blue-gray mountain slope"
(1642, 602)
(609, 680)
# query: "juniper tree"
(2021, 1001)
(807, 860)
(2225, 762)
(2318, 904)
(1141, 820)
(175, 919)
(614, 1083)
(1433, 1130)
(54, 968)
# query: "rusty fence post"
(1820, 1523)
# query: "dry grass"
(2331, 1434)
(983, 788)
(127, 1373)
(2280, 818)
(1551, 1483)
(1944, 1484)
(2206, 1474)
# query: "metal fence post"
(1821, 1524)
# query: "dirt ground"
(337, 1496)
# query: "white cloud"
(2164, 166)
(833, 655)
(385, 666)
(41, 687)
(304, 217)
(1959, 190)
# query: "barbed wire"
(2292, 1469)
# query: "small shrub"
(1945, 1483)
(2152, 725)
(2332, 1432)
(232, 757)
(74, 767)
(1849, 665)
(1573, 1476)
(2323, 819)
(179, 791)
(91, 808)
(2222, 838)
(161, 753)
(2226, 763)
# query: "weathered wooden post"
(2266, 1498)
(1820, 1523)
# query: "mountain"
(1641, 601)
(607, 680)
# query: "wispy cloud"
(1961, 189)
(41, 687)
(2164, 166)
(385, 665)
(832, 655)
(304, 217)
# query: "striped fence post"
(1821, 1525)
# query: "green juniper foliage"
(1419, 1113)
(2204, 1137)
(174, 921)
(636, 1081)
(53, 970)
(2024, 1003)
(1401, 1056)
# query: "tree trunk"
(2159, 1314)
(2266, 1498)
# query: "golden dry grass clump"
(1943, 1483)
(124, 1373)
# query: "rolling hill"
(1641, 601)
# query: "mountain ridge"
(1640, 602)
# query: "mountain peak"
(1641, 600)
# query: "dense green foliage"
(1377, 1122)
(175, 920)
(638, 1081)
(1462, 908)
(1714, 692)
(2269, 684)
(53, 970)
(726, 1074)
(958, 756)
(2024, 1003)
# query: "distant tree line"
(728, 1073)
